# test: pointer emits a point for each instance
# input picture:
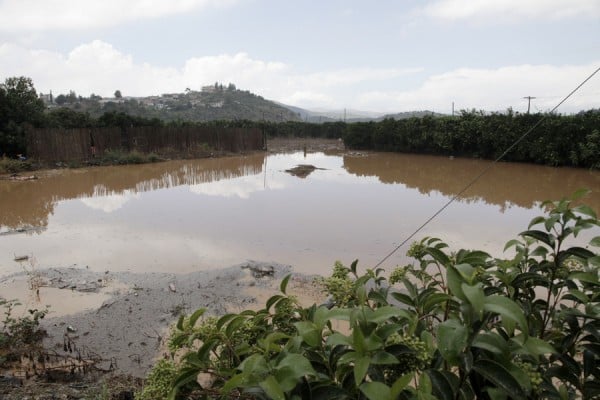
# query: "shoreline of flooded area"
(189, 215)
(126, 330)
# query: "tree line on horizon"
(559, 140)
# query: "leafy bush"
(21, 335)
(157, 385)
(13, 166)
(452, 325)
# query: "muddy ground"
(121, 335)
(122, 338)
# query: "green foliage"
(159, 380)
(13, 166)
(571, 140)
(19, 107)
(21, 335)
(451, 325)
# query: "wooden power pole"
(528, 102)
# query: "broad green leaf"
(284, 283)
(466, 271)
(588, 277)
(403, 298)
(384, 358)
(197, 314)
(358, 340)
(535, 279)
(272, 338)
(342, 314)
(234, 325)
(348, 358)
(186, 376)
(500, 377)
(538, 347)
(539, 235)
(336, 339)
(272, 300)
(291, 369)
(580, 252)
(576, 295)
(512, 243)
(475, 296)
(452, 339)
(309, 333)
(321, 316)
(474, 258)
(508, 309)
(361, 366)
(455, 280)
(540, 251)
(224, 320)
(585, 210)
(595, 241)
(254, 364)
(400, 384)
(425, 387)
(272, 388)
(433, 300)
(594, 261)
(376, 391)
(180, 322)
(536, 221)
(441, 387)
(438, 255)
(492, 342)
(235, 381)
(386, 312)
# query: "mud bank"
(124, 334)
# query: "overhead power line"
(485, 170)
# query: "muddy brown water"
(185, 216)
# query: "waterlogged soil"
(120, 321)
(123, 336)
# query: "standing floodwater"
(182, 216)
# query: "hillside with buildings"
(214, 102)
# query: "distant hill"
(217, 102)
(212, 103)
(353, 115)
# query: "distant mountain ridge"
(216, 102)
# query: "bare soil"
(119, 341)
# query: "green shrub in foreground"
(452, 325)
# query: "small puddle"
(60, 302)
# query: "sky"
(380, 56)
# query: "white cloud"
(495, 90)
(34, 15)
(99, 68)
(109, 201)
(241, 187)
(510, 9)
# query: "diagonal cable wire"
(485, 170)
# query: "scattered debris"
(260, 270)
(302, 170)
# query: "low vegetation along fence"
(51, 145)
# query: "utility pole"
(453, 109)
(528, 102)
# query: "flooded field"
(185, 216)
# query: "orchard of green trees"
(559, 140)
